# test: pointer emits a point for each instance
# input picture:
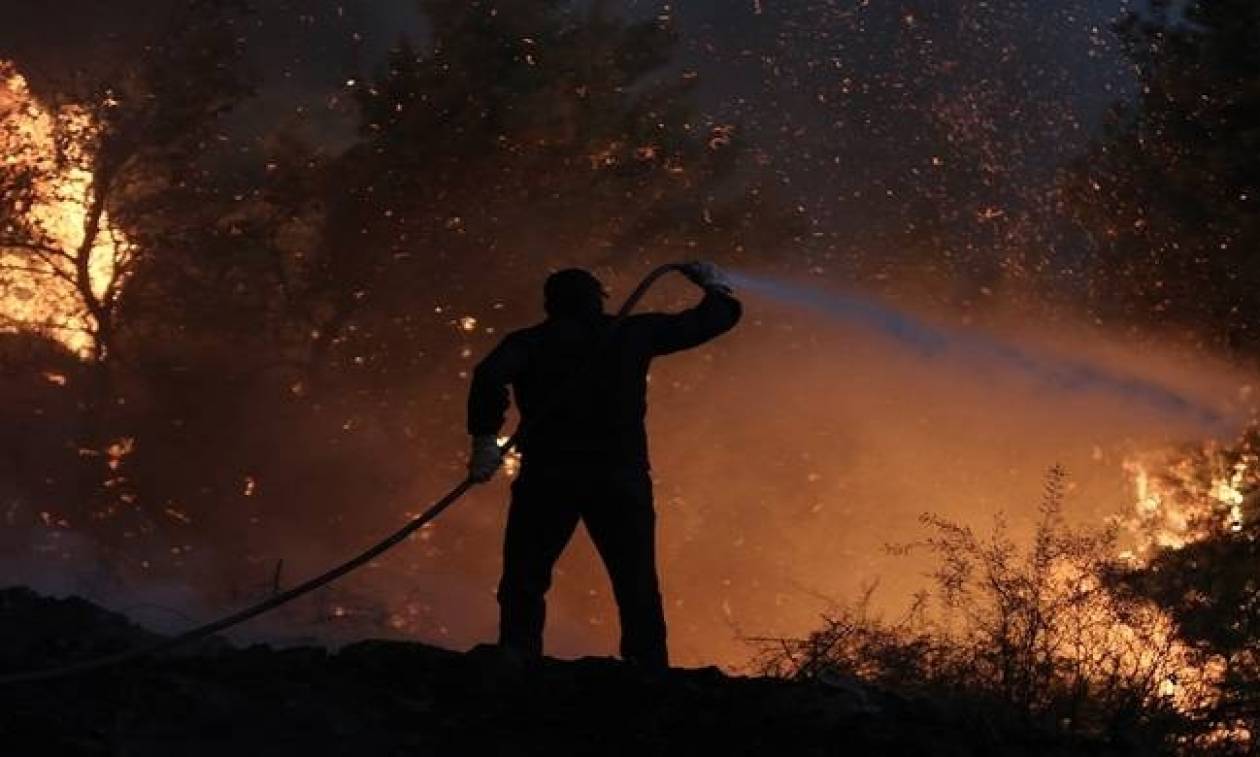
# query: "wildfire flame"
(37, 288)
(1190, 498)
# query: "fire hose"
(332, 574)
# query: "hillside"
(388, 697)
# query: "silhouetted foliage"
(527, 136)
(1169, 196)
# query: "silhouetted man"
(580, 386)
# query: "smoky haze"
(909, 156)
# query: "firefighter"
(580, 385)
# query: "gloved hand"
(707, 275)
(485, 459)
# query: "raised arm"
(716, 314)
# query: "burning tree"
(88, 162)
(1200, 516)
(64, 258)
(86, 165)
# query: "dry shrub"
(1027, 634)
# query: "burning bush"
(1204, 574)
(1035, 635)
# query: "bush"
(1033, 635)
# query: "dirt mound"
(384, 698)
(39, 631)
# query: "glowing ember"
(117, 452)
(178, 515)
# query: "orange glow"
(1180, 499)
(1189, 498)
(37, 287)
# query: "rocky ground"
(395, 698)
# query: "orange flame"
(37, 289)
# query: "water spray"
(930, 342)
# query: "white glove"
(485, 459)
(707, 275)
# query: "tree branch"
(35, 247)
